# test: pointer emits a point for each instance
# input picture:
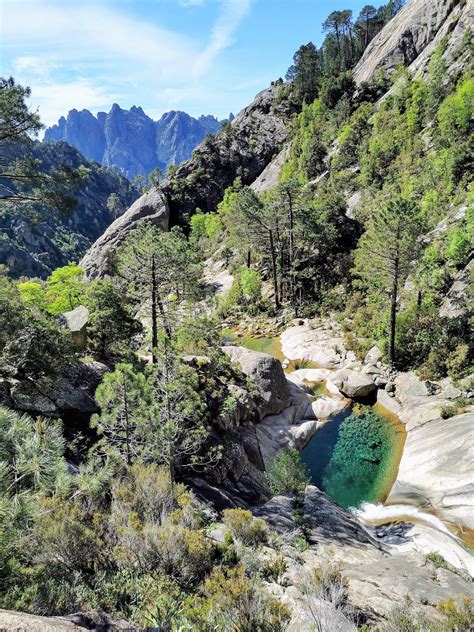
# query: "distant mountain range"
(131, 141)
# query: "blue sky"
(200, 56)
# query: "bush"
(274, 569)
(245, 527)
(231, 601)
(287, 474)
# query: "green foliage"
(455, 113)
(124, 400)
(159, 267)
(232, 600)
(305, 73)
(32, 294)
(287, 474)
(31, 466)
(65, 289)
(38, 347)
(110, 328)
(244, 527)
(251, 284)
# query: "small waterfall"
(382, 514)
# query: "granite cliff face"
(243, 149)
(412, 35)
(131, 141)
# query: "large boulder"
(151, 206)
(327, 407)
(267, 374)
(320, 345)
(76, 322)
(352, 384)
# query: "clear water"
(343, 466)
(352, 463)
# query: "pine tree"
(365, 25)
(124, 401)
(386, 252)
(176, 434)
(160, 270)
(111, 327)
(305, 73)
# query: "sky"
(199, 56)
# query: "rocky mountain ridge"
(35, 248)
(242, 150)
(129, 140)
(255, 146)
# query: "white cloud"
(232, 13)
(54, 100)
(89, 54)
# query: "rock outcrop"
(242, 150)
(321, 344)
(68, 395)
(437, 466)
(129, 140)
(151, 206)
(459, 298)
(25, 622)
(411, 36)
(378, 577)
(266, 373)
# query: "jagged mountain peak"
(130, 140)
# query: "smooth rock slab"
(312, 375)
(326, 407)
(438, 465)
(313, 345)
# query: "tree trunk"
(154, 318)
(290, 251)
(393, 310)
(274, 270)
(127, 426)
(249, 258)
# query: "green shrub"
(287, 474)
(245, 527)
(231, 601)
(274, 569)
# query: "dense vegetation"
(382, 270)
